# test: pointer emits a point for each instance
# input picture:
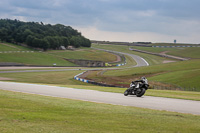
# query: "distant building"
(70, 48)
(62, 48)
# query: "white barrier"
(80, 79)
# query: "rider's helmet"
(144, 80)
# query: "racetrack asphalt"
(158, 103)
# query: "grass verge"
(13, 47)
(188, 52)
(32, 113)
(183, 75)
(52, 57)
(36, 58)
(85, 54)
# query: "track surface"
(158, 103)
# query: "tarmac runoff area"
(157, 103)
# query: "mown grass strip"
(36, 58)
(85, 54)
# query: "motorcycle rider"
(143, 80)
(137, 87)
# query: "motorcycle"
(137, 89)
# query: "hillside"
(187, 52)
(18, 55)
(181, 75)
(39, 35)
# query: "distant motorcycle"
(137, 87)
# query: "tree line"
(39, 35)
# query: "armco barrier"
(121, 64)
(80, 79)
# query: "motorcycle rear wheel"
(140, 92)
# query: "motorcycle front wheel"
(140, 92)
(126, 93)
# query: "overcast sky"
(115, 20)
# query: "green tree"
(65, 41)
(29, 40)
(3, 34)
(75, 41)
(41, 35)
(45, 44)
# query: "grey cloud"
(160, 16)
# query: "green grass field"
(86, 54)
(29, 58)
(13, 47)
(7, 48)
(151, 59)
(21, 112)
(32, 113)
(179, 75)
(154, 49)
(55, 78)
(193, 52)
(51, 57)
(185, 74)
(36, 58)
(187, 52)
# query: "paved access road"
(158, 103)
